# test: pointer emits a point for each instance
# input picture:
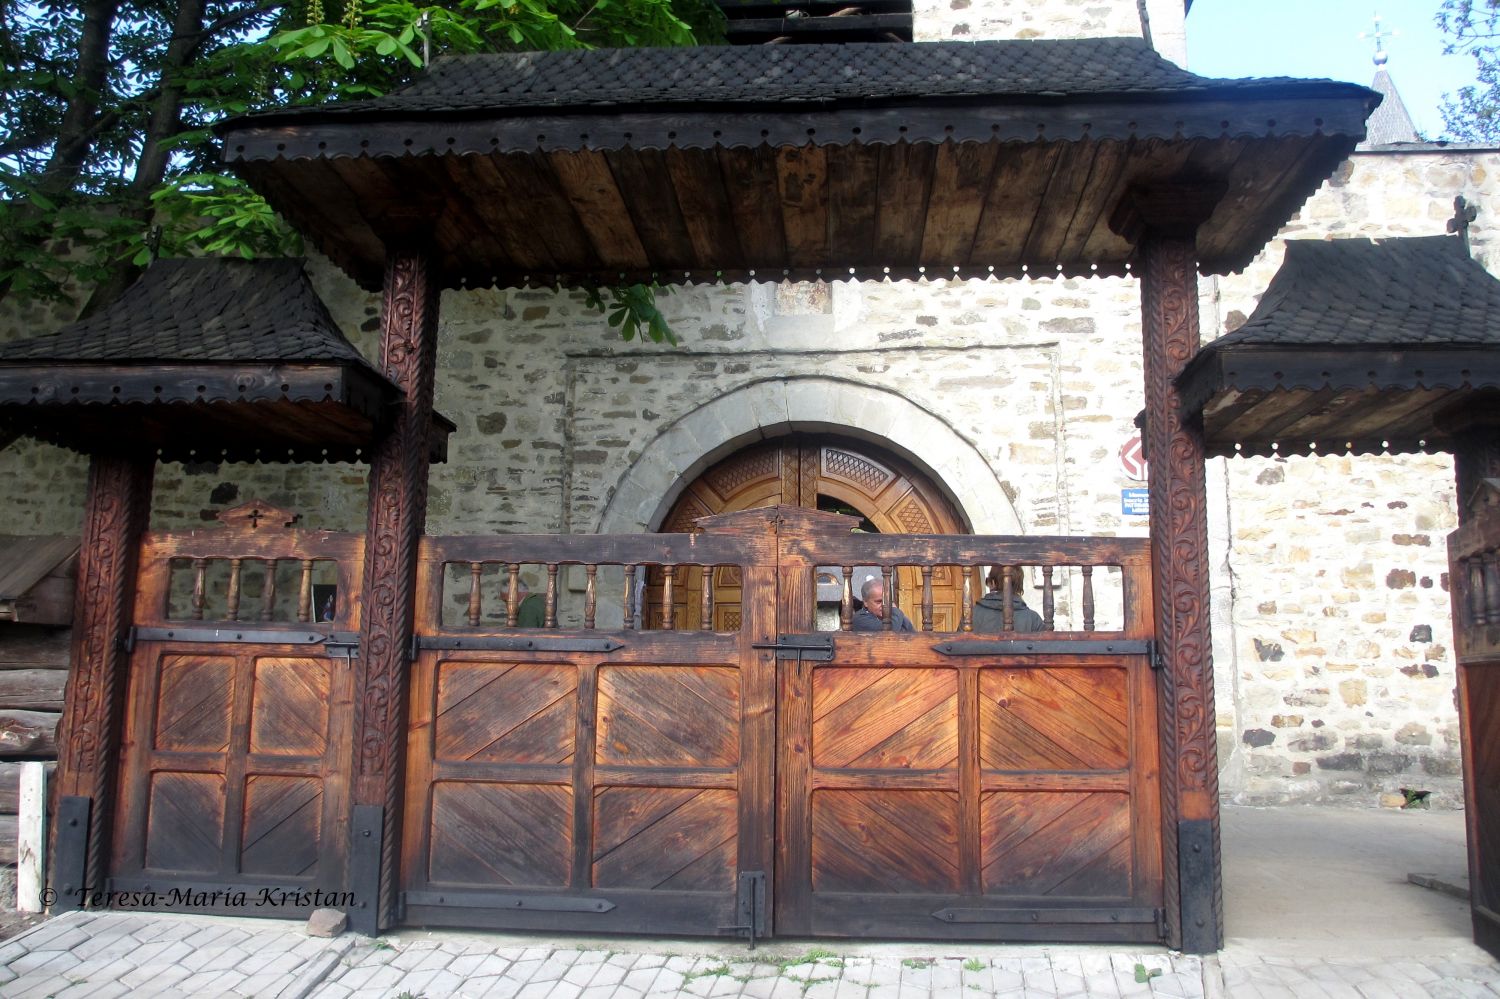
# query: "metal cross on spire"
(1379, 36)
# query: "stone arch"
(773, 407)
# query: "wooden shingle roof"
(733, 163)
(1357, 345)
(203, 360)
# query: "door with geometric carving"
(816, 471)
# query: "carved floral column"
(116, 513)
(397, 515)
(1163, 222)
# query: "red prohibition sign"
(1133, 460)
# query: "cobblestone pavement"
(145, 954)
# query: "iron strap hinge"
(1043, 647)
(341, 644)
(490, 643)
(1158, 657)
(801, 648)
(749, 907)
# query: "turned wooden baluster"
(232, 611)
(926, 598)
(590, 595)
(476, 605)
(512, 594)
(200, 586)
(1046, 598)
(846, 599)
(1491, 564)
(629, 598)
(1088, 598)
(304, 592)
(887, 616)
(551, 619)
(268, 605)
(1007, 594)
(667, 615)
(966, 612)
(706, 604)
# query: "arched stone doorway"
(820, 471)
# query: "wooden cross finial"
(1464, 215)
(254, 514)
(1378, 36)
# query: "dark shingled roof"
(210, 359)
(1045, 69)
(205, 310)
(1357, 345)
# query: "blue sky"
(1320, 38)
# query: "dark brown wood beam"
(397, 515)
(1163, 221)
(116, 514)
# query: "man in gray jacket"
(989, 612)
(868, 617)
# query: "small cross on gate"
(1464, 215)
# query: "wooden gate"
(1474, 572)
(967, 786)
(236, 759)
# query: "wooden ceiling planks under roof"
(204, 360)
(801, 162)
(1357, 346)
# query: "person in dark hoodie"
(989, 612)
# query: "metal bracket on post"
(1197, 877)
(70, 853)
(801, 648)
(749, 907)
(367, 831)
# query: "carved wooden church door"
(815, 472)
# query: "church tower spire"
(1391, 123)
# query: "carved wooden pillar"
(1475, 428)
(117, 512)
(1163, 222)
(397, 515)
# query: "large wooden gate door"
(589, 775)
(1474, 571)
(971, 786)
(235, 761)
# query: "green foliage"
(1472, 28)
(1144, 974)
(74, 205)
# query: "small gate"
(235, 768)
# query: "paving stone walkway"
(112, 954)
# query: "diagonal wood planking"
(885, 841)
(186, 825)
(1058, 718)
(289, 707)
(192, 713)
(665, 838)
(500, 834)
(283, 819)
(505, 713)
(1056, 842)
(896, 718)
(668, 716)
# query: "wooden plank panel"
(853, 173)
(32, 647)
(192, 708)
(904, 180)
(1153, 161)
(1096, 201)
(282, 826)
(486, 835)
(665, 838)
(885, 841)
(754, 199)
(960, 181)
(1054, 719)
(903, 719)
(706, 212)
(504, 712)
(185, 822)
(1060, 843)
(586, 180)
(1070, 173)
(672, 716)
(525, 218)
(289, 706)
(550, 217)
(802, 180)
(38, 689)
(10, 785)
(641, 177)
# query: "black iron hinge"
(341, 644)
(1158, 657)
(749, 907)
(801, 648)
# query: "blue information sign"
(1134, 502)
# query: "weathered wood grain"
(28, 733)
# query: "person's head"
(995, 580)
(873, 596)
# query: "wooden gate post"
(116, 513)
(397, 515)
(1163, 222)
